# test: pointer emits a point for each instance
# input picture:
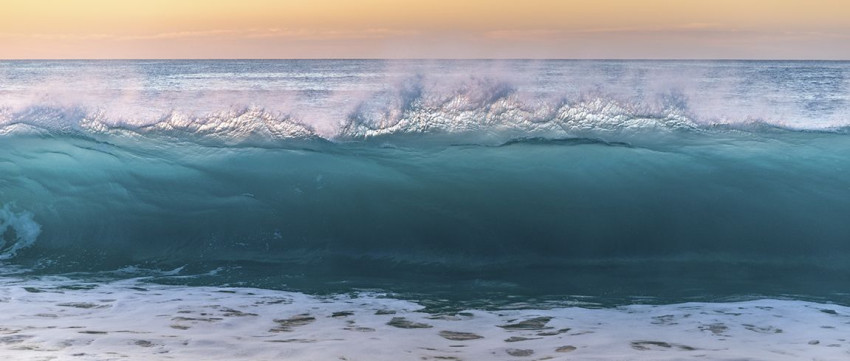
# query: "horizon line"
(428, 59)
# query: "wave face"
(525, 179)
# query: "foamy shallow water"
(60, 319)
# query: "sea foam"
(60, 318)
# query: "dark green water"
(718, 216)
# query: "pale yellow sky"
(762, 29)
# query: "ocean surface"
(406, 209)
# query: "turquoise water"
(456, 184)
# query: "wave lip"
(500, 120)
(506, 120)
(497, 110)
(229, 127)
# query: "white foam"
(56, 318)
(235, 126)
(511, 117)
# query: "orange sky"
(765, 29)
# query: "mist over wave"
(265, 103)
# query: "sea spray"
(17, 231)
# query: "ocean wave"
(343, 216)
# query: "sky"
(571, 29)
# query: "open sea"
(424, 210)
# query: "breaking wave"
(559, 189)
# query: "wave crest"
(230, 127)
(471, 109)
(492, 108)
(248, 125)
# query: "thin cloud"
(327, 34)
(181, 34)
(816, 34)
(532, 34)
(706, 30)
(524, 35)
(690, 27)
(282, 33)
(47, 36)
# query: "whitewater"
(411, 209)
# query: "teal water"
(588, 181)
